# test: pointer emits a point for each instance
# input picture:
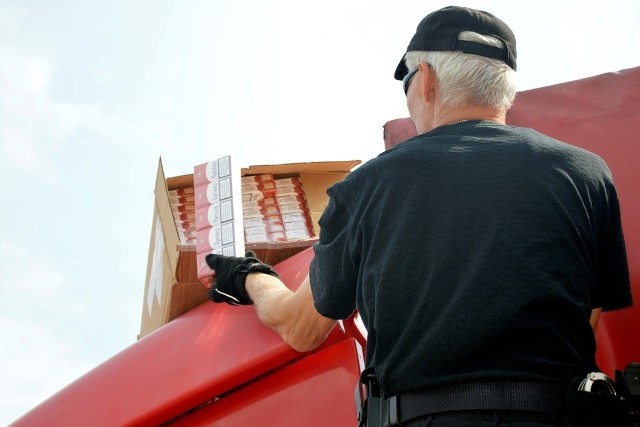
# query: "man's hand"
(231, 273)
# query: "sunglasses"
(407, 79)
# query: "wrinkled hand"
(231, 273)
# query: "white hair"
(466, 78)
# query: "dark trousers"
(490, 419)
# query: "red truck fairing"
(217, 365)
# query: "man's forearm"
(291, 315)
(269, 296)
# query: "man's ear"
(427, 81)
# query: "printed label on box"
(214, 214)
(211, 171)
(224, 188)
(229, 250)
(224, 167)
(227, 233)
(215, 237)
(213, 193)
(226, 211)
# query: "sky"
(93, 93)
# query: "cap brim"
(401, 70)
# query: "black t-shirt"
(475, 251)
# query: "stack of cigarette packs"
(293, 209)
(214, 215)
(183, 209)
(231, 211)
(274, 210)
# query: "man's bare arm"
(290, 314)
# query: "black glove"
(231, 273)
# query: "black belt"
(498, 396)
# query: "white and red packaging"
(264, 229)
(288, 186)
(275, 237)
(293, 209)
(218, 214)
(300, 234)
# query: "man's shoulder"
(551, 149)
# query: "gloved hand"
(231, 273)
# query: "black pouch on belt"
(593, 402)
(375, 410)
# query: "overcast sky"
(93, 92)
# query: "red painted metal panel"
(201, 354)
(315, 391)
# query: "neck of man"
(447, 116)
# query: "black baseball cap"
(440, 30)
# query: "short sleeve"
(612, 287)
(333, 271)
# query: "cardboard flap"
(291, 168)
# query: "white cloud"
(22, 269)
(34, 364)
(100, 71)
(36, 129)
(23, 78)
(32, 126)
(32, 288)
(9, 14)
(40, 355)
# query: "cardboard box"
(172, 286)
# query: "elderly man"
(475, 252)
